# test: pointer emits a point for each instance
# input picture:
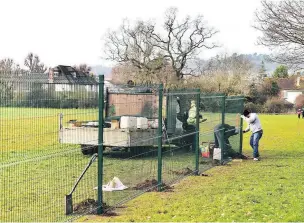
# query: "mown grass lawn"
(271, 190)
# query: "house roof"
(68, 75)
(290, 83)
(286, 83)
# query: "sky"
(70, 31)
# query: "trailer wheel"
(87, 149)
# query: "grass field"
(36, 171)
(271, 190)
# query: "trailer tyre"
(86, 149)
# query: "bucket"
(205, 151)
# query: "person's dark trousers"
(192, 137)
(254, 143)
(217, 139)
(218, 143)
(227, 148)
(189, 136)
(299, 116)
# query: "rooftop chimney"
(298, 81)
(51, 76)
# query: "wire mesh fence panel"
(233, 109)
(130, 143)
(211, 107)
(180, 134)
(38, 167)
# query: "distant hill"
(99, 69)
(257, 59)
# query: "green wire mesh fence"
(180, 135)
(36, 170)
(233, 108)
(212, 108)
(73, 147)
(130, 162)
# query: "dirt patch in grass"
(89, 206)
(151, 185)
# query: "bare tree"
(151, 50)
(133, 45)
(8, 65)
(124, 72)
(234, 64)
(32, 62)
(83, 68)
(282, 26)
(226, 73)
(8, 68)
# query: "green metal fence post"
(100, 143)
(241, 128)
(160, 136)
(197, 146)
(223, 129)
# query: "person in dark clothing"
(188, 120)
(226, 147)
(299, 112)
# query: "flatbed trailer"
(87, 137)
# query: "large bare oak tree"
(150, 48)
